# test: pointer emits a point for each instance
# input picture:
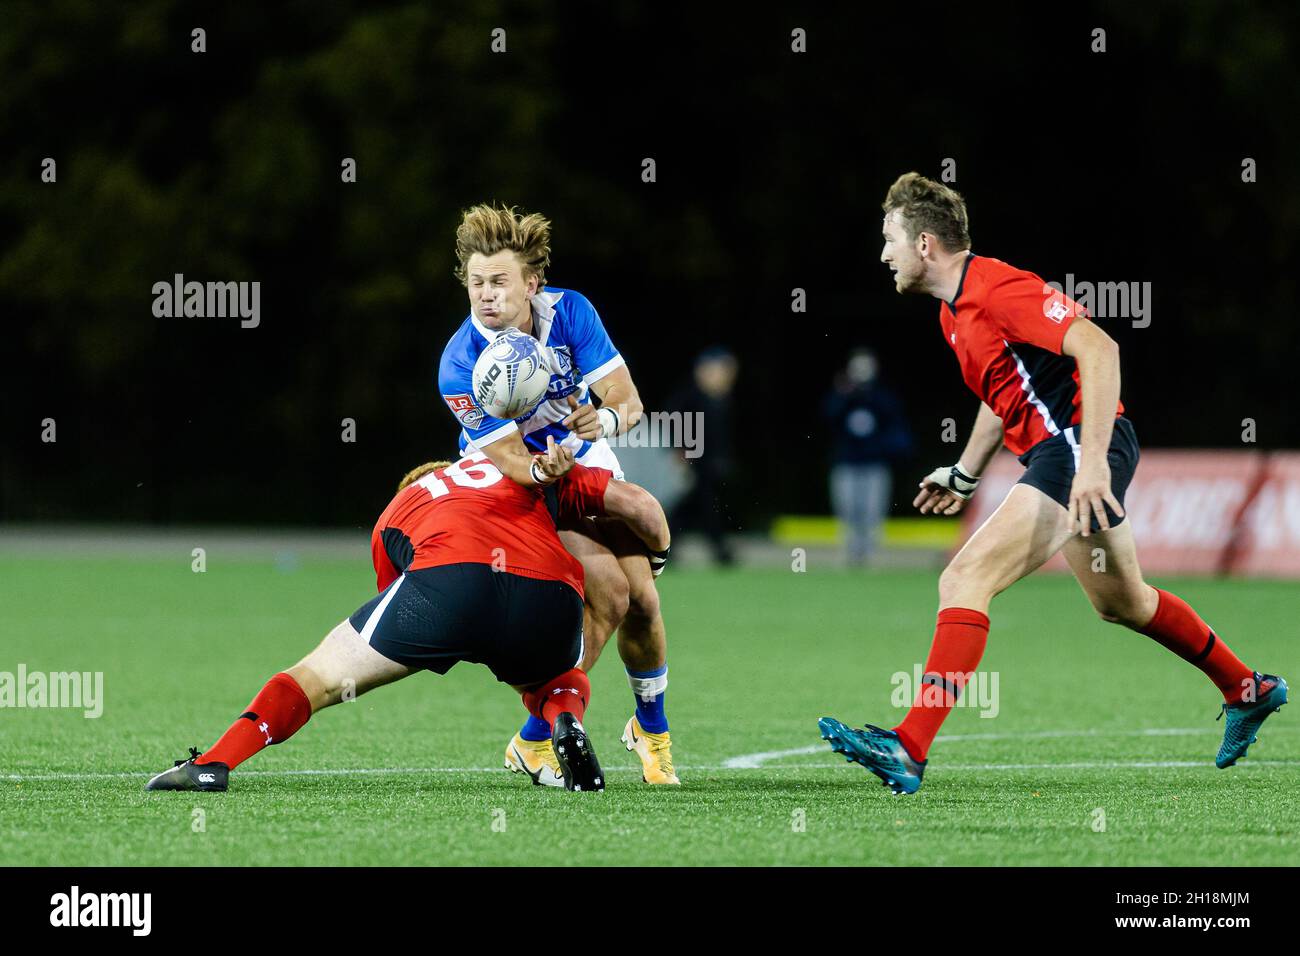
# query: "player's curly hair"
(415, 474)
(488, 229)
(927, 206)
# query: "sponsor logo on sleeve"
(466, 412)
(1055, 308)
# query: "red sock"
(1180, 629)
(567, 693)
(959, 639)
(277, 713)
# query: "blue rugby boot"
(1244, 719)
(880, 751)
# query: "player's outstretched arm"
(515, 461)
(946, 490)
(640, 511)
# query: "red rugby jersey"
(1007, 326)
(470, 513)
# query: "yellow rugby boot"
(535, 758)
(655, 751)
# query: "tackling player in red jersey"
(1048, 380)
(469, 568)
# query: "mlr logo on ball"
(103, 909)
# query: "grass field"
(1093, 719)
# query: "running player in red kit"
(1048, 379)
(469, 568)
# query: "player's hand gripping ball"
(511, 375)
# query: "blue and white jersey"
(580, 353)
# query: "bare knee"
(1123, 611)
(596, 632)
(958, 585)
(643, 603)
(319, 674)
(318, 688)
(609, 597)
(964, 584)
(1133, 610)
(342, 667)
(949, 584)
(323, 676)
(1115, 614)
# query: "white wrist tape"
(539, 476)
(955, 480)
(608, 422)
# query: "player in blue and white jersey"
(502, 259)
(570, 331)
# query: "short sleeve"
(1026, 309)
(593, 351)
(454, 383)
(582, 493)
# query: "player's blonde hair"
(928, 206)
(415, 474)
(489, 229)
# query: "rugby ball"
(511, 375)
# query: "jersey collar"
(543, 306)
(961, 282)
(544, 313)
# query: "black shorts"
(1050, 465)
(524, 629)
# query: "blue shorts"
(1051, 464)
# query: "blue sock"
(535, 728)
(650, 688)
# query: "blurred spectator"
(709, 395)
(870, 434)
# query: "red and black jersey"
(470, 513)
(1007, 326)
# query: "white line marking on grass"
(756, 760)
(342, 771)
(1079, 765)
(1101, 765)
(318, 772)
(374, 771)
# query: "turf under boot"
(188, 775)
